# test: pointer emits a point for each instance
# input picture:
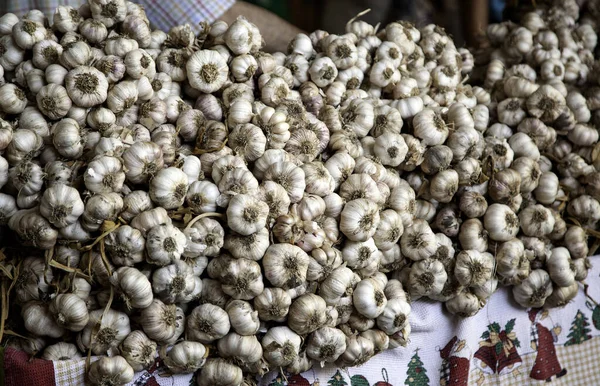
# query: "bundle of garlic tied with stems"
(192, 198)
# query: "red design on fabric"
(19, 370)
(498, 361)
(298, 380)
(455, 370)
(152, 382)
(546, 362)
(459, 371)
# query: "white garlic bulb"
(104, 331)
(273, 304)
(70, 311)
(418, 241)
(169, 187)
(133, 287)
(244, 349)
(162, 322)
(473, 268)
(246, 214)
(281, 346)
(326, 344)
(185, 357)
(207, 323)
(359, 219)
(560, 267)
(285, 265)
(207, 70)
(218, 371)
(110, 370)
(61, 205)
(164, 244)
(307, 314)
(61, 351)
(501, 222)
(243, 319)
(533, 291)
(138, 350)
(38, 319)
(369, 298)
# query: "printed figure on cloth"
(497, 353)
(456, 359)
(542, 340)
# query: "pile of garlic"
(193, 198)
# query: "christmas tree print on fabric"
(386, 379)
(594, 307)
(416, 373)
(580, 331)
(337, 380)
(358, 380)
(497, 353)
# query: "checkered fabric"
(534, 334)
(162, 14)
(69, 373)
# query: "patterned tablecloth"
(503, 344)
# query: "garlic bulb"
(560, 267)
(243, 319)
(110, 370)
(369, 298)
(220, 372)
(185, 357)
(61, 205)
(138, 350)
(104, 331)
(164, 244)
(246, 214)
(285, 265)
(273, 304)
(326, 344)
(359, 219)
(464, 304)
(207, 71)
(133, 287)
(427, 277)
(38, 319)
(533, 291)
(162, 322)
(125, 246)
(207, 323)
(394, 316)
(61, 351)
(358, 351)
(244, 349)
(281, 346)
(418, 241)
(169, 187)
(473, 268)
(307, 314)
(501, 222)
(70, 311)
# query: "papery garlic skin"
(326, 344)
(533, 291)
(138, 350)
(218, 371)
(110, 370)
(185, 357)
(61, 351)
